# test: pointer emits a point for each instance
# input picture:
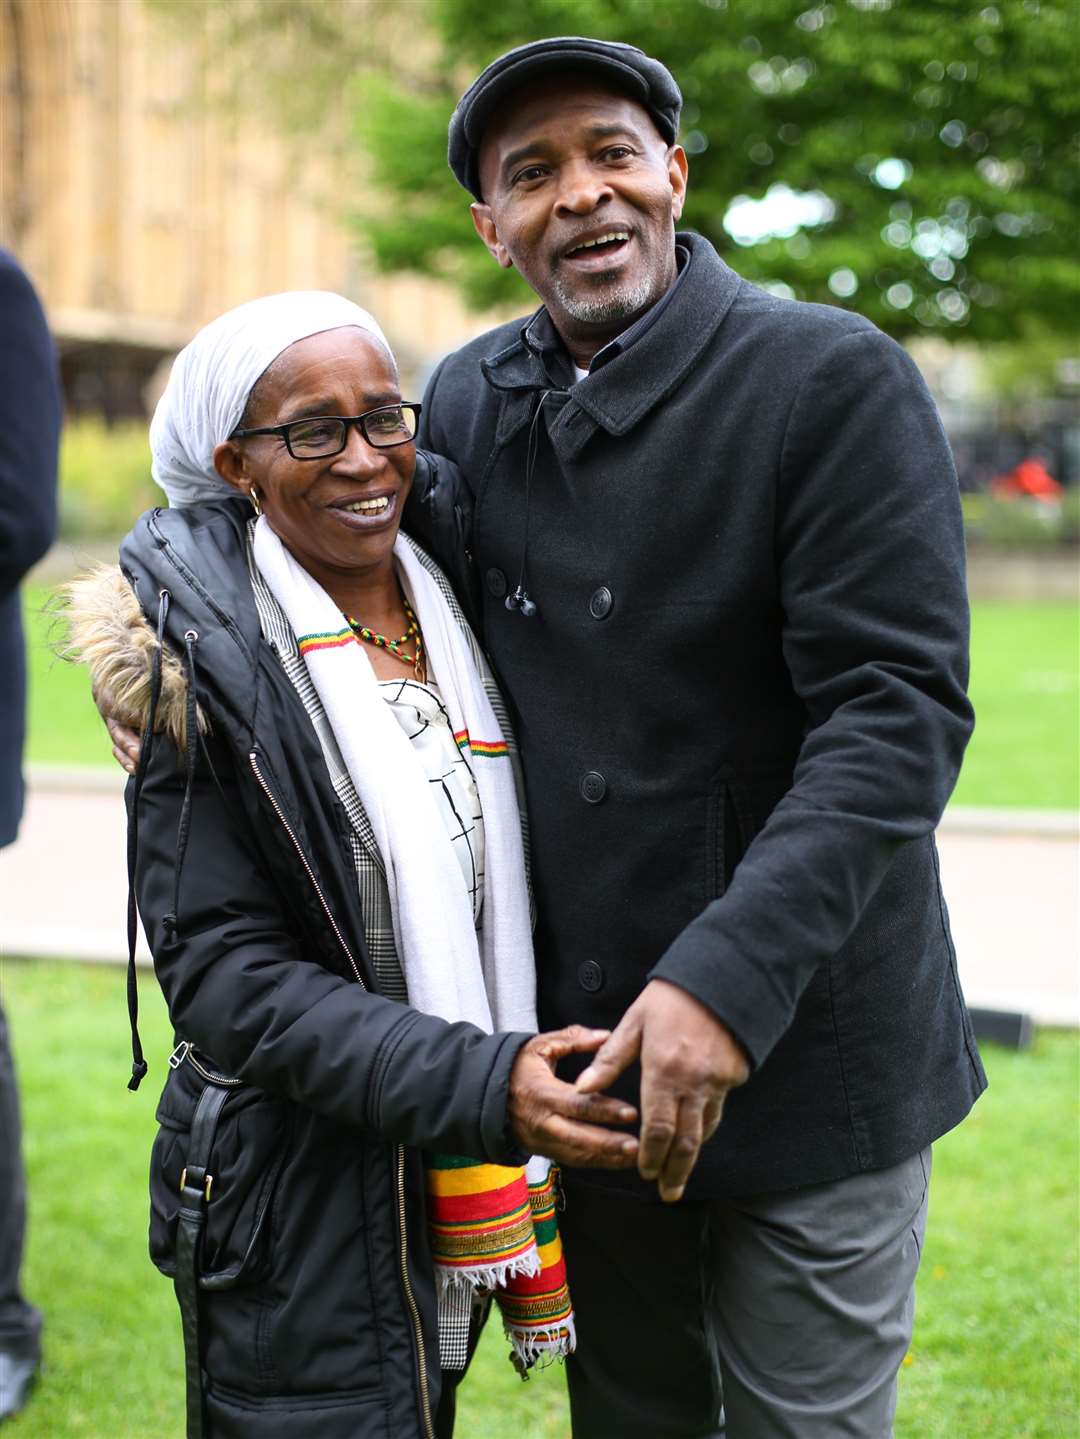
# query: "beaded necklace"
(396, 647)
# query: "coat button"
(601, 603)
(590, 976)
(593, 787)
(496, 583)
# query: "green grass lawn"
(1025, 685)
(995, 1347)
(63, 727)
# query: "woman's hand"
(550, 1117)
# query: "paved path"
(1012, 881)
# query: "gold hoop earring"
(255, 501)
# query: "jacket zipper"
(406, 1284)
(184, 1050)
(425, 1406)
(254, 761)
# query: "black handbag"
(213, 1174)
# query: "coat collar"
(196, 552)
(623, 391)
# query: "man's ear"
(677, 170)
(485, 228)
(231, 464)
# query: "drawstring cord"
(170, 921)
(139, 1066)
(520, 599)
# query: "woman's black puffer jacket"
(316, 1300)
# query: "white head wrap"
(212, 377)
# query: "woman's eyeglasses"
(324, 435)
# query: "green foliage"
(104, 478)
(994, 1351)
(968, 231)
(1016, 373)
(292, 59)
(1021, 524)
(425, 227)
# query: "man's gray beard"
(614, 304)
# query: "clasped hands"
(689, 1062)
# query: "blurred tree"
(912, 159)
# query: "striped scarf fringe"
(494, 1230)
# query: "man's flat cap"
(623, 66)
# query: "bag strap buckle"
(206, 1182)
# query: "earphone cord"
(520, 599)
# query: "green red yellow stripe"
(484, 748)
(327, 640)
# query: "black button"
(590, 976)
(593, 787)
(496, 583)
(600, 605)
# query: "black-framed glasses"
(321, 436)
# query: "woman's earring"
(254, 501)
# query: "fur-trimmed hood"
(108, 633)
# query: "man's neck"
(584, 342)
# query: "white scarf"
(491, 984)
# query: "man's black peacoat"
(741, 701)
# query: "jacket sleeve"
(240, 987)
(30, 428)
(870, 552)
(438, 515)
(439, 511)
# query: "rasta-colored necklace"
(396, 647)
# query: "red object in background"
(1029, 480)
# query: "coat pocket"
(243, 1166)
(729, 831)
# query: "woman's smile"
(370, 511)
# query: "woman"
(331, 877)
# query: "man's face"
(581, 195)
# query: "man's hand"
(125, 745)
(551, 1117)
(689, 1061)
(125, 741)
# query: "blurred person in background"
(30, 419)
(358, 1122)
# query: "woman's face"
(339, 372)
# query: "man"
(714, 544)
(29, 433)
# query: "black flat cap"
(624, 66)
